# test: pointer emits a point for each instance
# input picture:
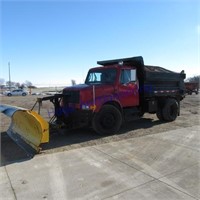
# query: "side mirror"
(133, 75)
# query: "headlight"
(85, 107)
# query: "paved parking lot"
(157, 166)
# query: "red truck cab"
(113, 85)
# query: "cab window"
(127, 76)
(101, 76)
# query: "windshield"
(101, 76)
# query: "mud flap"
(28, 129)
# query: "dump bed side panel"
(162, 82)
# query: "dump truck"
(192, 87)
(115, 92)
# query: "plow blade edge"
(28, 129)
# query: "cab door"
(128, 90)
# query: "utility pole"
(9, 75)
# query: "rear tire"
(9, 94)
(23, 94)
(107, 121)
(159, 114)
(170, 110)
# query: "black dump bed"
(159, 81)
(153, 80)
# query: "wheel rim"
(108, 121)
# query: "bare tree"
(17, 84)
(194, 79)
(28, 83)
(8, 83)
(22, 86)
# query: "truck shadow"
(10, 151)
(143, 123)
(67, 140)
(64, 140)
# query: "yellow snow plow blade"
(28, 129)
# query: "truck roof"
(136, 61)
(106, 66)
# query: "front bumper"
(76, 119)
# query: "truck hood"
(86, 86)
(78, 87)
(83, 93)
(101, 88)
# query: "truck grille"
(71, 96)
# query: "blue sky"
(52, 42)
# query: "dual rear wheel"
(169, 111)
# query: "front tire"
(107, 121)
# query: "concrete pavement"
(158, 166)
